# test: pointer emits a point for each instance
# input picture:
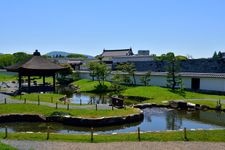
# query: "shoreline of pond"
(74, 121)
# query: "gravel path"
(37, 145)
(9, 100)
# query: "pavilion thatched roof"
(35, 63)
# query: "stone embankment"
(76, 121)
(182, 105)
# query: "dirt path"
(9, 100)
(46, 145)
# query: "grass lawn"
(201, 135)
(6, 147)
(7, 77)
(46, 111)
(159, 94)
(88, 85)
(47, 80)
(155, 94)
(45, 97)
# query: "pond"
(155, 119)
(90, 98)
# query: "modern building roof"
(117, 52)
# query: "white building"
(195, 81)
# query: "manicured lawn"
(88, 85)
(159, 94)
(201, 135)
(46, 111)
(45, 97)
(7, 77)
(6, 147)
(47, 80)
(155, 94)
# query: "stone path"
(47, 145)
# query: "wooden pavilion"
(36, 66)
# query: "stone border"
(22, 117)
(98, 122)
(179, 105)
(75, 121)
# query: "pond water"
(155, 119)
(90, 98)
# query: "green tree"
(6, 60)
(173, 77)
(215, 55)
(181, 58)
(220, 55)
(21, 56)
(77, 56)
(99, 70)
(92, 71)
(146, 78)
(116, 85)
(169, 56)
(128, 68)
(65, 76)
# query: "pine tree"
(173, 77)
(215, 55)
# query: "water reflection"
(173, 120)
(58, 127)
(155, 119)
(89, 98)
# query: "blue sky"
(193, 27)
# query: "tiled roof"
(188, 74)
(117, 52)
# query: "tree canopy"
(76, 56)
(10, 59)
(169, 56)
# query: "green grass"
(155, 94)
(47, 80)
(201, 135)
(158, 95)
(6, 147)
(88, 85)
(6, 77)
(46, 111)
(45, 97)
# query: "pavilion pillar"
(20, 81)
(53, 82)
(28, 83)
(44, 83)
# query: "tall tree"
(6, 60)
(173, 77)
(99, 70)
(215, 55)
(116, 85)
(21, 56)
(127, 68)
(91, 67)
(220, 55)
(146, 78)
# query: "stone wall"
(192, 65)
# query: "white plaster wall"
(214, 84)
(158, 80)
(186, 82)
